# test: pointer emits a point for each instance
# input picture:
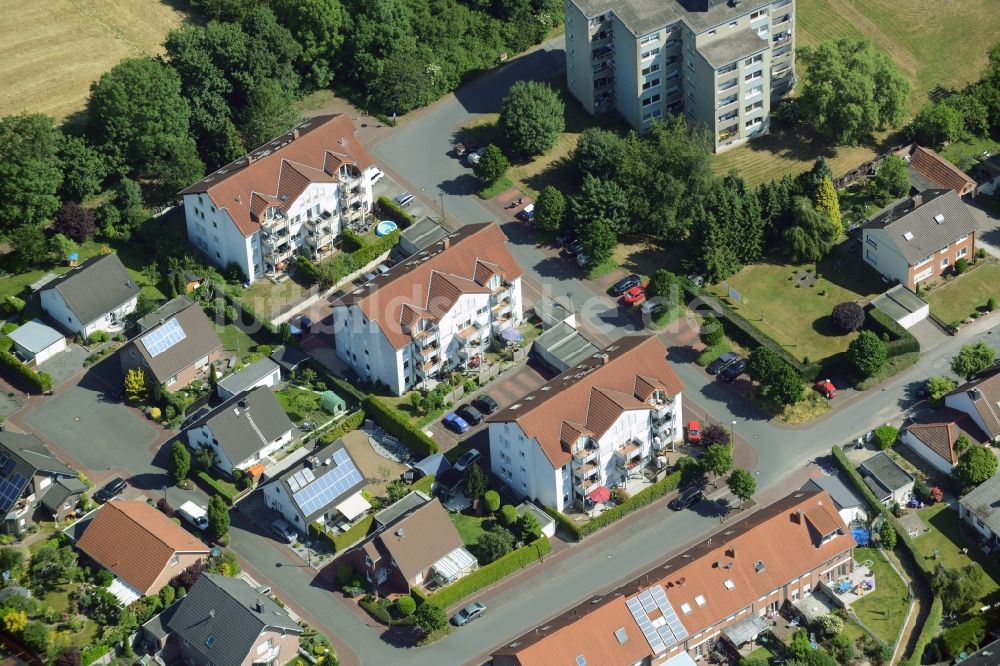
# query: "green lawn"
(963, 154)
(954, 301)
(469, 527)
(947, 540)
(301, 405)
(269, 299)
(884, 609)
(235, 340)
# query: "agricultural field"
(52, 50)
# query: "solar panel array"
(659, 637)
(314, 494)
(12, 488)
(163, 337)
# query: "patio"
(848, 589)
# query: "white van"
(194, 514)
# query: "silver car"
(469, 613)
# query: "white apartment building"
(290, 196)
(720, 62)
(592, 426)
(439, 309)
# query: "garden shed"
(332, 403)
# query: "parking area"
(988, 236)
(66, 364)
(387, 187)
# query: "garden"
(963, 298)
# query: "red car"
(694, 432)
(635, 295)
(826, 389)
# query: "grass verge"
(600, 270)
(495, 189)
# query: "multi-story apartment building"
(720, 62)
(591, 426)
(290, 196)
(726, 586)
(437, 310)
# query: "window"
(172, 381)
(964, 251)
(755, 75)
(655, 37)
(753, 107)
(649, 115)
(649, 53)
(755, 121)
(758, 14)
(652, 83)
(944, 262)
(652, 69)
(754, 91)
(749, 61)
(651, 100)
(175, 560)
(871, 241)
(872, 256)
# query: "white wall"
(213, 231)
(963, 403)
(55, 305)
(276, 497)
(202, 437)
(885, 258)
(362, 345)
(925, 452)
(528, 470)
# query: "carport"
(905, 307)
(38, 342)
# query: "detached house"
(33, 483)
(437, 310)
(97, 295)
(290, 196)
(933, 437)
(980, 509)
(921, 238)
(980, 399)
(590, 427)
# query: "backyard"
(469, 527)
(269, 299)
(235, 340)
(883, 610)
(943, 544)
(966, 295)
(301, 405)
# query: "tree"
(935, 124)
(892, 177)
(10, 558)
(476, 484)
(972, 359)
(600, 153)
(785, 386)
(51, 564)
(492, 501)
(218, 518)
(508, 515)
(405, 605)
(74, 221)
(885, 436)
(811, 234)
(867, 353)
(14, 621)
(800, 646)
(30, 171)
(135, 385)
(850, 89)
(742, 484)
(430, 617)
(600, 201)
(29, 247)
(494, 544)
(319, 26)
(711, 332)
(268, 113)
(937, 387)
(962, 444)
(598, 241)
(84, 169)
(528, 526)
(717, 459)
(887, 535)
(715, 434)
(826, 202)
(167, 594)
(977, 465)
(829, 625)
(663, 286)
(763, 365)
(62, 247)
(213, 376)
(492, 166)
(180, 462)
(36, 636)
(847, 316)
(550, 209)
(958, 589)
(396, 490)
(532, 117)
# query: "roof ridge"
(117, 505)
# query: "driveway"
(989, 228)
(66, 364)
(929, 334)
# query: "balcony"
(502, 321)
(267, 657)
(604, 66)
(628, 455)
(324, 216)
(728, 116)
(427, 336)
(661, 411)
(731, 83)
(781, 20)
(602, 53)
(468, 335)
(728, 68)
(585, 454)
(781, 52)
(501, 307)
(428, 368)
(604, 82)
(601, 38)
(727, 134)
(427, 352)
(585, 471)
(276, 223)
(726, 101)
(781, 38)
(585, 486)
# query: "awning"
(124, 592)
(353, 506)
(745, 631)
(455, 564)
(600, 494)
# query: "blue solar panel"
(10, 490)
(8, 465)
(163, 338)
(327, 488)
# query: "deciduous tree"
(867, 353)
(492, 166)
(935, 124)
(430, 617)
(811, 233)
(600, 201)
(972, 359)
(30, 170)
(550, 209)
(937, 387)
(958, 588)
(492, 545)
(492, 500)
(84, 169)
(598, 241)
(29, 247)
(847, 317)
(887, 535)
(718, 459)
(135, 384)
(892, 177)
(269, 113)
(977, 465)
(785, 386)
(75, 222)
(742, 484)
(532, 117)
(711, 332)
(319, 27)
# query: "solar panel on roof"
(670, 632)
(325, 489)
(10, 491)
(308, 475)
(340, 456)
(163, 337)
(8, 466)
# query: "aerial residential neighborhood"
(523, 333)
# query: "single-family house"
(243, 430)
(412, 546)
(980, 509)
(929, 171)
(987, 174)
(590, 427)
(140, 545)
(886, 479)
(36, 342)
(851, 506)
(724, 588)
(980, 399)
(176, 349)
(933, 437)
(97, 295)
(324, 487)
(224, 621)
(291, 196)
(437, 311)
(263, 372)
(34, 483)
(920, 238)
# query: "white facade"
(925, 452)
(963, 403)
(269, 380)
(202, 437)
(56, 307)
(880, 252)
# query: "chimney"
(249, 159)
(258, 606)
(401, 532)
(604, 359)
(446, 243)
(211, 613)
(975, 394)
(295, 134)
(244, 405)
(797, 516)
(918, 200)
(731, 552)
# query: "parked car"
(462, 148)
(651, 307)
(565, 238)
(307, 426)
(469, 613)
(694, 432)
(404, 199)
(110, 490)
(377, 175)
(687, 498)
(826, 389)
(626, 283)
(526, 214)
(733, 370)
(368, 277)
(573, 248)
(194, 514)
(582, 260)
(719, 364)
(635, 295)
(381, 269)
(486, 404)
(696, 279)
(468, 459)
(303, 323)
(474, 157)
(471, 415)
(455, 423)
(281, 529)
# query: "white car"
(474, 158)
(194, 514)
(581, 260)
(376, 175)
(404, 199)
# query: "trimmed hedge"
(396, 424)
(367, 254)
(859, 483)
(965, 636)
(345, 540)
(491, 573)
(93, 653)
(341, 383)
(930, 629)
(388, 209)
(901, 342)
(40, 381)
(350, 423)
(419, 596)
(424, 484)
(226, 492)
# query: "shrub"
(223, 489)
(971, 359)
(711, 332)
(847, 317)
(405, 605)
(991, 303)
(349, 424)
(508, 515)
(13, 305)
(396, 424)
(885, 436)
(430, 617)
(492, 500)
(961, 265)
(964, 637)
(867, 354)
(490, 573)
(388, 209)
(829, 625)
(978, 464)
(41, 382)
(93, 653)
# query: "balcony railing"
(585, 454)
(732, 99)
(584, 486)
(428, 368)
(602, 53)
(585, 471)
(427, 352)
(728, 68)
(780, 39)
(781, 20)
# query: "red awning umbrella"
(600, 494)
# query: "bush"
(349, 424)
(975, 466)
(388, 209)
(847, 317)
(508, 515)
(492, 500)
(93, 653)
(223, 489)
(991, 303)
(398, 425)
(885, 436)
(40, 382)
(405, 605)
(961, 265)
(711, 332)
(964, 637)
(490, 573)
(13, 305)
(867, 354)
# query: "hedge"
(350, 423)
(388, 209)
(396, 424)
(901, 342)
(488, 574)
(932, 625)
(382, 614)
(93, 653)
(40, 381)
(307, 269)
(859, 483)
(968, 635)
(367, 254)
(419, 596)
(359, 531)
(424, 484)
(341, 383)
(222, 489)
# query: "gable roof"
(62, 490)
(984, 502)
(199, 340)
(21, 458)
(281, 169)
(230, 613)
(289, 357)
(135, 542)
(939, 430)
(418, 539)
(587, 398)
(317, 481)
(984, 392)
(246, 423)
(95, 287)
(427, 284)
(886, 474)
(939, 171)
(703, 586)
(914, 228)
(246, 377)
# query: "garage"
(906, 308)
(562, 346)
(35, 342)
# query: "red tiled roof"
(311, 152)
(938, 170)
(419, 540)
(135, 542)
(940, 430)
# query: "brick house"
(34, 482)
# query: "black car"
(626, 283)
(110, 490)
(719, 364)
(733, 370)
(573, 248)
(687, 498)
(485, 404)
(471, 415)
